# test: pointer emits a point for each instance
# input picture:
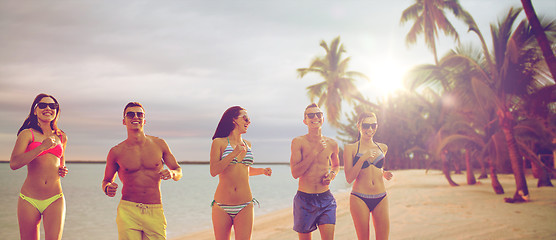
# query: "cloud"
(187, 62)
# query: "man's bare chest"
(137, 158)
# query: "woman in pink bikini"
(231, 159)
(40, 146)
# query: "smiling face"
(242, 121)
(134, 117)
(313, 117)
(367, 127)
(46, 109)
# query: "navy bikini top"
(378, 162)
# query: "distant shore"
(180, 162)
(424, 206)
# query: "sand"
(423, 206)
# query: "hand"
(267, 171)
(370, 156)
(110, 189)
(166, 174)
(48, 143)
(328, 177)
(322, 147)
(388, 175)
(62, 171)
(240, 152)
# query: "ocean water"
(91, 215)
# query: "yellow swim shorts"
(140, 221)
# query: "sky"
(188, 61)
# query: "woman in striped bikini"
(40, 146)
(363, 164)
(231, 159)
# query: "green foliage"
(338, 84)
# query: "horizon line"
(179, 162)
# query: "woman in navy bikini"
(363, 164)
(40, 146)
(231, 159)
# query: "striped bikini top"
(247, 160)
(56, 150)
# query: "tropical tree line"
(490, 107)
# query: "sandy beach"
(423, 206)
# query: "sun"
(386, 77)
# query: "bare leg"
(305, 236)
(221, 223)
(326, 231)
(381, 220)
(360, 215)
(243, 223)
(29, 220)
(54, 216)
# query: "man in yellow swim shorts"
(139, 162)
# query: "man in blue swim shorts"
(314, 161)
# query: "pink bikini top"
(56, 151)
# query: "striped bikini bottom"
(233, 210)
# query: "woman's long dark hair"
(32, 121)
(226, 124)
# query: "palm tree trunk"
(484, 173)
(470, 176)
(435, 55)
(496, 186)
(521, 190)
(446, 170)
(540, 35)
(540, 172)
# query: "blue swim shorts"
(313, 209)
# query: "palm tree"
(470, 124)
(432, 86)
(504, 81)
(532, 136)
(429, 17)
(544, 44)
(338, 82)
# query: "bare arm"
(352, 171)
(334, 163)
(19, 157)
(384, 148)
(218, 165)
(63, 170)
(109, 187)
(386, 174)
(174, 170)
(298, 164)
(334, 159)
(259, 171)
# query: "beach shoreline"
(422, 205)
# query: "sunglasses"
(245, 118)
(43, 105)
(312, 115)
(133, 114)
(368, 125)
